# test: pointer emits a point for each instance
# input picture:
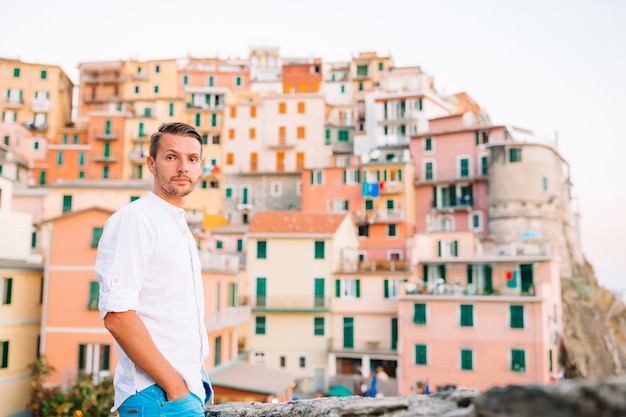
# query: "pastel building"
(21, 280)
(36, 96)
(291, 295)
(478, 315)
(267, 148)
(64, 157)
(19, 149)
(301, 75)
(451, 169)
(340, 112)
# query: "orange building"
(302, 76)
(67, 157)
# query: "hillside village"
(352, 222)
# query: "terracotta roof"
(253, 378)
(295, 222)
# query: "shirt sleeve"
(121, 262)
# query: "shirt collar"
(167, 206)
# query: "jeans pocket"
(188, 406)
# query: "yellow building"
(37, 96)
(21, 278)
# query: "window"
(6, 140)
(157, 69)
(217, 351)
(392, 230)
(369, 205)
(302, 362)
(239, 245)
(348, 288)
(94, 293)
(467, 359)
(517, 317)
(185, 79)
(197, 121)
(211, 80)
(276, 188)
(219, 244)
(428, 170)
(171, 110)
(4, 354)
(318, 326)
(228, 192)
(340, 205)
(105, 172)
(419, 313)
(213, 122)
(75, 139)
(67, 203)
(518, 360)
(544, 183)
(317, 177)
(301, 132)
(364, 230)
(301, 107)
(42, 178)
(428, 144)
(360, 86)
(261, 292)
(156, 89)
(95, 236)
(420, 355)
(446, 248)
(484, 165)
(253, 112)
(44, 74)
(230, 158)
(260, 325)
(93, 358)
(233, 112)
(261, 249)
(515, 154)
(319, 247)
(60, 158)
(361, 70)
(36, 145)
(348, 332)
(6, 290)
(282, 107)
(380, 66)
(136, 89)
(391, 288)
(231, 133)
(464, 168)
(238, 81)
(467, 315)
(16, 72)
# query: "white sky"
(546, 65)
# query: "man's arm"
(133, 337)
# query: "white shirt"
(147, 261)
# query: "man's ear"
(150, 163)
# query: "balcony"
(461, 204)
(101, 79)
(383, 266)
(449, 176)
(104, 158)
(137, 156)
(106, 135)
(219, 262)
(13, 103)
(140, 138)
(282, 143)
(40, 105)
(291, 303)
(392, 187)
(230, 317)
(343, 147)
(38, 127)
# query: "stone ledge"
(606, 398)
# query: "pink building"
(451, 161)
(479, 315)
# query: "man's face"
(176, 168)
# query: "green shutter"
(239, 245)
(455, 248)
(338, 288)
(197, 119)
(419, 313)
(214, 120)
(106, 356)
(420, 355)
(439, 248)
(318, 326)
(8, 290)
(470, 271)
(95, 236)
(518, 360)
(467, 315)
(425, 273)
(260, 325)
(4, 360)
(81, 357)
(261, 292)
(319, 291)
(67, 203)
(488, 281)
(386, 288)
(358, 288)
(517, 317)
(442, 272)
(345, 176)
(319, 249)
(348, 332)
(467, 360)
(94, 294)
(394, 333)
(261, 249)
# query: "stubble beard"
(167, 184)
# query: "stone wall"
(606, 398)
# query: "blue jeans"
(152, 402)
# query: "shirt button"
(116, 280)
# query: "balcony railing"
(442, 176)
(137, 156)
(13, 103)
(230, 317)
(219, 262)
(106, 135)
(282, 142)
(104, 158)
(291, 303)
(40, 105)
(460, 204)
(40, 127)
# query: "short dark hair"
(176, 129)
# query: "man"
(151, 295)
